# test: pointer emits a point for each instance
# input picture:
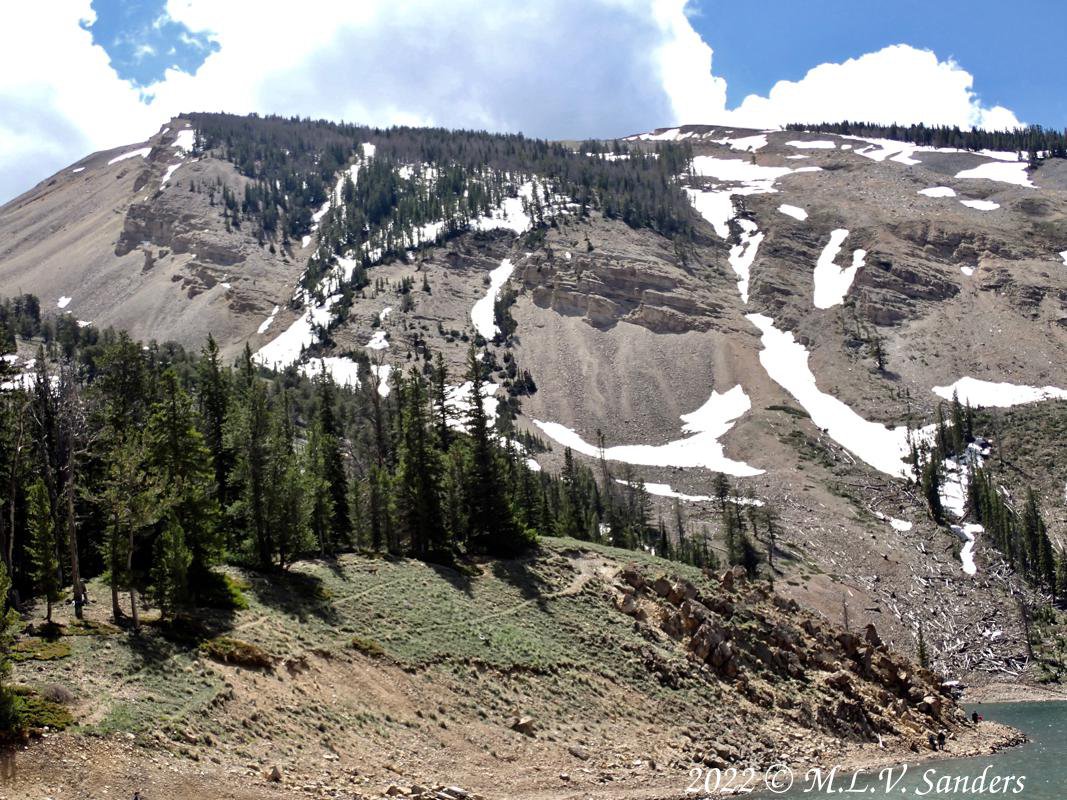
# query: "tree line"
(1034, 140)
(293, 163)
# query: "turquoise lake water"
(1036, 770)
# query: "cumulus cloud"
(553, 68)
(896, 84)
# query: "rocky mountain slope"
(832, 293)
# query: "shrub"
(233, 651)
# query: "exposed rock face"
(764, 644)
(632, 279)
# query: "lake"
(1035, 771)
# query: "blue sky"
(142, 41)
(1016, 51)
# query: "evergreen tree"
(249, 444)
(178, 456)
(9, 625)
(419, 473)
(43, 546)
(171, 565)
(491, 522)
(214, 397)
(333, 467)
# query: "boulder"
(274, 775)
(662, 586)
(524, 725)
(632, 576)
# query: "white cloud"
(895, 84)
(551, 68)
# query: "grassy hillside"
(581, 666)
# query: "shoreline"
(1001, 692)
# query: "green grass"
(37, 648)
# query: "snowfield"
(1001, 171)
(288, 346)
(981, 205)
(665, 490)
(793, 211)
(377, 341)
(786, 362)
(938, 191)
(700, 450)
(267, 322)
(743, 254)
(980, 393)
(170, 171)
(967, 533)
(382, 372)
(142, 152)
(822, 144)
(184, 140)
(832, 282)
(482, 313)
(344, 371)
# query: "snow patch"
(170, 171)
(482, 313)
(981, 205)
(938, 191)
(287, 347)
(665, 490)
(78, 169)
(343, 371)
(266, 323)
(382, 373)
(786, 362)
(980, 393)
(967, 533)
(832, 282)
(968, 271)
(743, 254)
(793, 211)
(377, 341)
(702, 449)
(63, 302)
(821, 144)
(1000, 171)
(184, 140)
(142, 152)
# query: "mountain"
(866, 337)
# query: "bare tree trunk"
(72, 543)
(133, 609)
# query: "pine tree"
(214, 397)
(492, 527)
(419, 473)
(43, 546)
(178, 456)
(131, 504)
(171, 565)
(9, 625)
(249, 435)
(288, 510)
(333, 466)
